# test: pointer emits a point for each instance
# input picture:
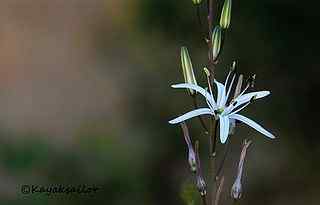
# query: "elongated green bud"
(216, 42)
(196, 2)
(187, 68)
(226, 14)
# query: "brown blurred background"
(85, 98)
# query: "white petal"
(197, 88)
(224, 128)
(191, 114)
(252, 124)
(248, 96)
(221, 93)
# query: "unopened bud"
(196, 2)
(187, 69)
(216, 42)
(226, 14)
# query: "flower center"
(219, 111)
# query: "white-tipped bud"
(187, 68)
(225, 17)
(216, 42)
(196, 2)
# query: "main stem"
(211, 66)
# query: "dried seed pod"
(225, 17)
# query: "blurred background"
(85, 98)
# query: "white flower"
(222, 110)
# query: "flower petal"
(221, 93)
(248, 96)
(224, 128)
(240, 100)
(191, 114)
(197, 88)
(252, 124)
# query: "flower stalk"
(222, 109)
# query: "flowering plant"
(222, 108)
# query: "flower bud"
(187, 69)
(216, 42)
(196, 2)
(225, 17)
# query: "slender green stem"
(212, 160)
(211, 66)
